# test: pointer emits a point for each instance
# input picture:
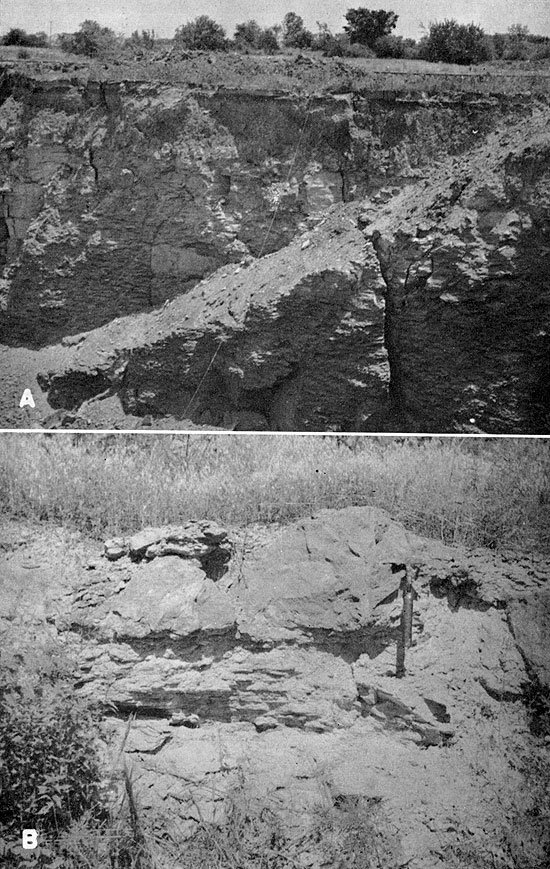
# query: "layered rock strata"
(282, 666)
(120, 195)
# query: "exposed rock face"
(466, 260)
(285, 664)
(295, 338)
(120, 195)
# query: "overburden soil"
(275, 244)
(269, 657)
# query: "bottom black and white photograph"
(274, 652)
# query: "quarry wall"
(117, 196)
(368, 260)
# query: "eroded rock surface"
(466, 262)
(120, 197)
(249, 341)
(284, 665)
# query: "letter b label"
(30, 839)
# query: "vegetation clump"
(201, 34)
(49, 763)
(369, 25)
(17, 36)
(250, 36)
(451, 42)
(91, 39)
(295, 34)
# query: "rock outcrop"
(466, 259)
(293, 341)
(120, 195)
(238, 210)
(283, 664)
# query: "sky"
(164, 16)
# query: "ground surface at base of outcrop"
(272, 653)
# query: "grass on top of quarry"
(289, 71)
(486, 492)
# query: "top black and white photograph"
(255, 216)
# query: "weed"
(493, 494)
(48, 757)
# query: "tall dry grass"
(486, 492)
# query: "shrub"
(335, 47)
(517, 51)
(542, 52)
(451, 42)
(202, 34)
(367, 25)
(23, 54)
(389, 46)
(358, 50)
(48, 759)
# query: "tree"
(39, 40)
(268, 41)
(518, 32)
(201, 34)
(145, 40)
(451, 42)
(17, 36)
(368, 25)
(247, 34)
(295, 34)
(323, 40)
(91, 39)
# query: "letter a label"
(30, 839)
(26, 399)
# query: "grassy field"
(488, 492)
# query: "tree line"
(367, 33)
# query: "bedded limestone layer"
(281, 670)
(119, 195)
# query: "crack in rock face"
(285, 661)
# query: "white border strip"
(230, 433)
